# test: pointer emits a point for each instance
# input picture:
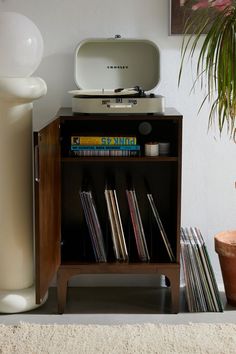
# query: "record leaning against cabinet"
(101, 205)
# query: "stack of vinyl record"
(201, 288)
(116, 226)
(117, 232)
(137, 226)
(94, 226)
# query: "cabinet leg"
(62, 283)
(175, 289)
(174, 283)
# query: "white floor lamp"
(21, 48)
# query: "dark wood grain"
(123, 159)
(48, 207)
(66, 271)
(64, 222)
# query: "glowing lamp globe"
(21, 45)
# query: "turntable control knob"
(152, 95)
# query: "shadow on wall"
(58, 72)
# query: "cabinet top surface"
(66, 112)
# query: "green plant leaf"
(216, 62)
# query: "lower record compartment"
(77, 247)
(119, 216)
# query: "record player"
(116, 75)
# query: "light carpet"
(147, 338)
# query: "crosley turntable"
(117, 75)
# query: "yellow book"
(103, 140)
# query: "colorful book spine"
(117, 153)
(105, 147)
(103, 140)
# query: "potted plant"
(216, 68)
(216, 62)
(225, 246)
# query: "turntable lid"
(117, 62)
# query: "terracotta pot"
(225, 246)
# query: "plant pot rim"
(225, 243)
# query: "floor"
(118, 306)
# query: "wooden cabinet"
(63, 244)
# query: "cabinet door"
(47, 206)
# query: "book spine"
(105, 147)
(113, 153)
(103, 140)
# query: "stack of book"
(201, 288)
(104, 146)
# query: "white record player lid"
(104, 65)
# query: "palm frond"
(216, 62)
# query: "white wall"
(209, 168)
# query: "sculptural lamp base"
(16, 204)
(15, 301)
